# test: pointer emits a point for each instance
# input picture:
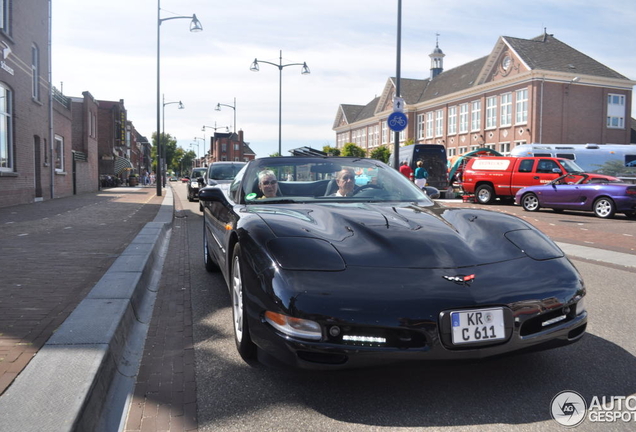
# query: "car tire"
(484, 194)
(244, 344)
(210, 263)
(190, 197)
(530, 202)
(604, 208)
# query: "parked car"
(222, 172)
(185, 179)
(491, 177)
(193, 184)
(381, 274)
(567, 192)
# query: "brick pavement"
(165, 393)
(52, 254)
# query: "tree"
(352, 150)
(331, 151)
(381, 153)
(170, 144)
(275, 154)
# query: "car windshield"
(571, 166)
(324, 179)
(198, 173)
(224, 171)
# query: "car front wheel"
(244, 344)
(485, 194)
(530, 202)
(604, 208)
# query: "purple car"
(605, 199)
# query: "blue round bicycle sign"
(397, 121)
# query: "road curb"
(81, 378)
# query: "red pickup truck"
(498, 176)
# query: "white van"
(617, 160)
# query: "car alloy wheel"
(244, 344)
(530, 202)
(604, 208)
(484, 194)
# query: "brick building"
(29, 164)
(229, 147)
(525, 91)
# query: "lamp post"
(163, 134)
(202, 139)
(196, 159)
(195, 26)
(218, 108)
(305, 71)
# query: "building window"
(35, 72)
(462, 150)
(475, 116)
(463, 118)
(506, 109)
(5, 16)
(615, 111)
(491, 112)
(420, 126)
(451, 151)
(6, 133)
(429, 125)
(504, 149)
(236, 147)
(439, 123)
(376, 136)
(522, 106)
(403, 135)
(223, 147)
(59, 154)
(452, 120)
(385, 133)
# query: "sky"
(109, 48)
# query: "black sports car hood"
(409, 236)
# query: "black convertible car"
(342, 262)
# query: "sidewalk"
(54, 252)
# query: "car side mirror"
(556, 170)
(211, 194)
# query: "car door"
(563, 196)
(523, 175)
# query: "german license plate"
(478, 325)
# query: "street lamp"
(163, 134)
(218, 108)
(305, 71)
(195, 26)
(196, 159)
(202, 139)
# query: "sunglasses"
(346, 178)
(269, 182)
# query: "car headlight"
(194, 184)
(534, 244)
(296, 327)
(301, 253)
